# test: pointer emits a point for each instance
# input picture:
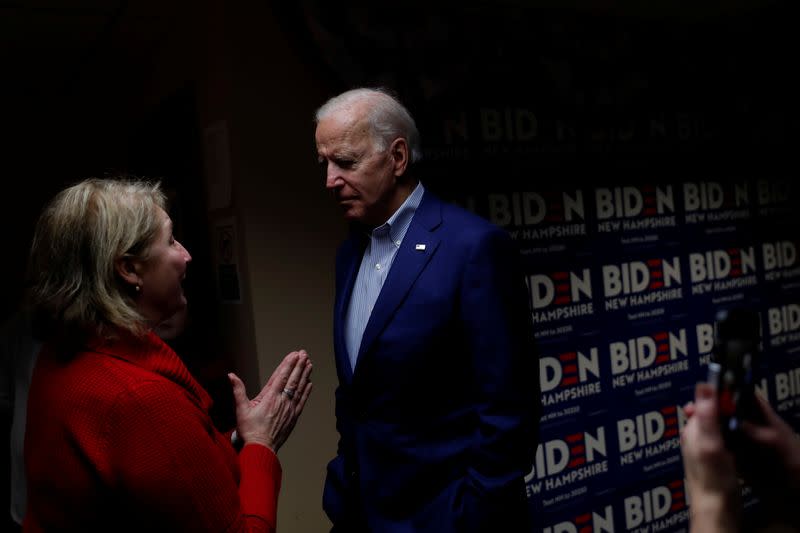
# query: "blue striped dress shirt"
(384, 241)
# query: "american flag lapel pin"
(420, 247)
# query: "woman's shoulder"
(95, 372)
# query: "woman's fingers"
(301, 403)
(305, 377)
(303, 388)
(294, 382)
(281, 374)
(239, 390)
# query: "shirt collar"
(399, 222)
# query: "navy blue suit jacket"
(438, 421)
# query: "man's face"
(361, 177)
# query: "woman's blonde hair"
(79, 237)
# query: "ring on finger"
(289, 393)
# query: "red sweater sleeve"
(260, 483)
(176, 467)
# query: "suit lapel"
(419, 246)
(349, 262)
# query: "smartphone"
(735, 361)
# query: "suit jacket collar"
(349, 260)
(417, 249)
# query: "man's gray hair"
(387, 117)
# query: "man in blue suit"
(438, 400)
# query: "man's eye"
(344, 163)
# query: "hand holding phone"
(733, 370)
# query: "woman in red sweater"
(118, 433)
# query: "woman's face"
(161, 294)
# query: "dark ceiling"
(47, 43)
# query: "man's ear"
(127, 268)
(400, 155)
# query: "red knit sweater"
(119, 438)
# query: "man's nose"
(332, 176)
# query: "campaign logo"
(774, 196)
(634, 208)
(783, 323)
(716, 271)
(787, 389)
(710, 201)
(560, 295)
(592, 522)
(503, 125)
(657, 509)
(650, 434)
(569, 376)
(779, 260)
(539, 215)
(562, 462)
(647, 357)
(638, 283)
(704, 334)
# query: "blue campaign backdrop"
(625, 326)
